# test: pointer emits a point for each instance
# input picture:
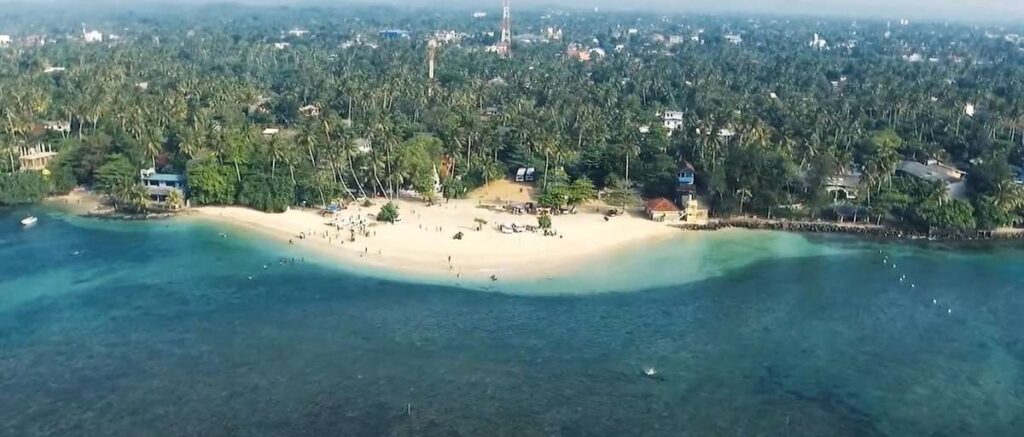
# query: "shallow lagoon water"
(155, 329)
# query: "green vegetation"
(22, 188)
(388, 213)
(765, 123)
(544, 221)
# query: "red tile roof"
(661, 204)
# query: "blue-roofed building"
(393, 34)
(685, 179)
(159, 185)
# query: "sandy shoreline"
(422, 242)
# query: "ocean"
(155, 328)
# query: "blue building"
(685, 179)
(159, 185)
(393, 34)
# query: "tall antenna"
(431, 54)
(505, 45)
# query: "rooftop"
(932, 171)
(661, 204)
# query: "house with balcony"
(685, 179)
(159, 185)
(672, 120)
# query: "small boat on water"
(652, 373)
(29, 221)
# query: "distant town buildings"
(734, 39)
(818, 43)
(393, 34)
(296, 32)
(479, 14)
(92, 36)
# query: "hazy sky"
(920, 9)
(1011, 11)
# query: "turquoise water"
(128, 329)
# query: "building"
(51, 70)
(92, 36)
(672, 120)
(63, 127)
(734, 39)
(271, 131)
(663, 210)
(281, 45)
(685, 179)
(34, 41)
(479, 14)
(935, 171)
(296, 32)
(310, 111)
(362, 145)
(844, 186)
(36, 158)
(393, 34)
(159, 185)
(5, 40)
(818, 43)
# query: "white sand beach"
(422, 242)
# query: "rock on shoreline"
(866, 230)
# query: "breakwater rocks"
(866, 230)
(123, 216)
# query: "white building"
(479, 14)
(672, 120)
(92, 36)
(818, 43)
(281, 45)
(733, 38)
(57, 126)
(969, 109)
(296, 32)
(54, 70)
(5, 40)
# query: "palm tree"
(744, 195)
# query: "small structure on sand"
(663, 210)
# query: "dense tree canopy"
(765, 122)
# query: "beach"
(424, 242)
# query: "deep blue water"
(114, 329)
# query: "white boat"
(29, 221)
(650, 372)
